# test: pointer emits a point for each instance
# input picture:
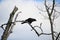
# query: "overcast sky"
(28, 8)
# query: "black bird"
(29, 20)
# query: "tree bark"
(9, 23)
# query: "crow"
(29, 20)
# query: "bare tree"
(51, 16)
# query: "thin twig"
(45, 34)
(39, 27)
(3, 25)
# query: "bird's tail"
(23, 22)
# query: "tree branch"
(53, 6)
(34, 29)
(57, 36)
(47, 9)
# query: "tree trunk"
(9, 23)
(51, 23)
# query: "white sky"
(28, 8)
